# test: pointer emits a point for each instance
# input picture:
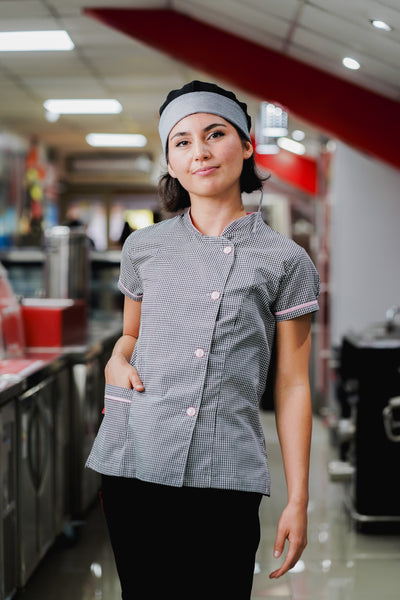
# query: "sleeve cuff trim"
(294, 308)
(130, 294)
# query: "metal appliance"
(62, 450)
(88, 397)
(8, 501)
(66, 263)
(36, 530)
(372, 366)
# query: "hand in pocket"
(121, 373)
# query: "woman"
(181, 448)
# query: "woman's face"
(205, 153)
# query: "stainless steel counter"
(19, 374)
(50, 409)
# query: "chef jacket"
(208, 318)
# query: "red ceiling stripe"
(361, 118)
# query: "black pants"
(181, 543)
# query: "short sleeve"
(299, 288)
(130, 283)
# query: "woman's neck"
(211, 216)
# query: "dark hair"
(175, 198)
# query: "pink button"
(191, 411)
(215, 295)
(199, 353)
(228, 249)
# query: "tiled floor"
(338, 564)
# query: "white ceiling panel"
(325, 47)
(373, 70)
(9, 90)
(62, 87)
(361, 12)
(353, 9)
(358, 36)
(390, 4)
(251, 22)
(286, 10)
(68, 7)
(376, 85)
(21, 106)
(140, 86)
(28, 64)
(29, 24)
(87, 32)
(20, 10)
(129, 64)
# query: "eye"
(181, 143)
(216, 134)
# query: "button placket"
(223, 255)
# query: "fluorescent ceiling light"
(381, 25)
(28, 41)
(83, 107)
(351, 63)
(291, 145)
(116, 140)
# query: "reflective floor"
(339, 563)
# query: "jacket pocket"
(117, 405)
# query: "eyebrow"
(206, 130)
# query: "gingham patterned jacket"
(208, 318)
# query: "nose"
(201, 150)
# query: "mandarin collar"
(238, 229)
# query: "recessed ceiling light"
(116, 140)
(351, 63)
(291, 145)
(51, 117)
(29, 41)
(83, 107)
(298, 135)
(381, 25)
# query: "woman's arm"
(118, 370)
(294, 422)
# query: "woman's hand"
(292, 526)
(120, 372)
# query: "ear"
(247, 149)
(171, 171)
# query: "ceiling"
(109, 64)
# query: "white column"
(365, 241)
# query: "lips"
(205, 171)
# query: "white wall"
(365, 241)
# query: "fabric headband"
(200, 102)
